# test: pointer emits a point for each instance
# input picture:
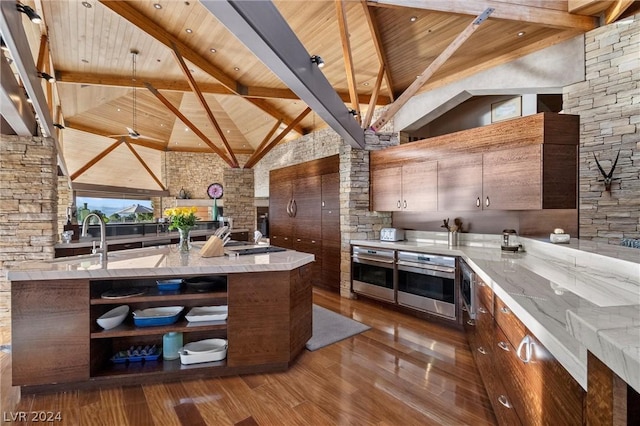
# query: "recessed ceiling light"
(189, 30)
(212, 50)
(236, 68)
(228, 131)
(118, 109)
(413, 19)
(191, 70)
(86, 4)
(186, 129)
(521, 33)
(366, 83)
(157, 5)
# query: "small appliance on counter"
(559, 237)
(391, 234)
(510, 240)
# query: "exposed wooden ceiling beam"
(143, 22)
(349, 66)
(377, 42)
(189, 124)
(88, 189)
(70, 124)
(95, 159)
(203, 102)
(266, 140)
(616, 10)
(74, 77)
(144, 164)
(128, 12)
(263, 30)
(430, 70)
(257, 156)
(510, 11)
(372, 105)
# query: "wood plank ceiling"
(90, 45)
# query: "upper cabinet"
(523, 164)
(411, 187)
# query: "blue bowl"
(169, 285)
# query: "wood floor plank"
(403, 371)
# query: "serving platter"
(164, 315)
(208, 313)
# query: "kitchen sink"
(258, 250)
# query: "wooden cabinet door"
(331, 191)
(50, 326)
(420, 186)
(460, 183)
(512, 179)
(280, 196)
(386, 189)
(306, 207)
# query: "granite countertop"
(572, 297)
(156, 261)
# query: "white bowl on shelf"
(113, 318)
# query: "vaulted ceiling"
(186, 56)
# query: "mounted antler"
(608, 177)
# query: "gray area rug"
(329, 327)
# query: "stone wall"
(608, 102)
(356, 221)
(28, 207)
(239, 197)
(65, 198)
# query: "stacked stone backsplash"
(28, 207)
(608, 103)
(65, 198)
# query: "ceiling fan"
(131, 131)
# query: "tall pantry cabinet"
(304, 215)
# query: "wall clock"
(215, 191)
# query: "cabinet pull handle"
(323, 204)
(505, 310)
(482, 350)
(464, 309)
(487, 202)
(294, 208)
(478, 202)
(471, 322)
(482, 310)
(289, 208)
(504, 401)
(404, 205)
(398, 203)
(527, 344)
(504, 346)
(298, 239)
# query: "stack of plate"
(207, 350)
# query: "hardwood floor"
(404, 371)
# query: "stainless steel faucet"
(103, 236)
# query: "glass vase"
(185, 239)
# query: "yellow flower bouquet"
(181, 218)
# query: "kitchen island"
(57, 344)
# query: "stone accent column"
(28, 206)
(608, 103)
(239, 195)
(356, 220)
(65, 197)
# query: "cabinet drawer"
(484, 325)
(508, 322)
(484, 294)
(541, 390)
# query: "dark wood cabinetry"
(411, 187)
(524, 164)
(525, 383)
(304, 214)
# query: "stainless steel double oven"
(419, 281)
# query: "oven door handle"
(427, 271)
(372, 261)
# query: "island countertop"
(154, 261)
(574, 297)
